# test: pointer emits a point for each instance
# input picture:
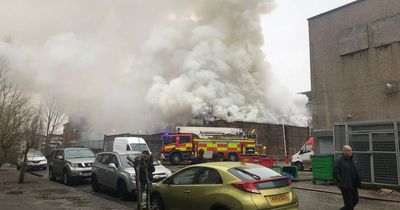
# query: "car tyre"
(156, 203)
(176, 158)
(219, 207)
(66, 178)
(299, 166)
(232, 157)
(51, 175)
(95, 184)
(122, 191)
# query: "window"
(209, 176)
(185, 177)
(105, 159)
(169, 139)
(184, 139)
(114, 160)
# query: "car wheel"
(156, 202)
(299, 166)
(66, 178)
(176, 158)
(232, 157)
(51, 175)
(95, 184)
(122, 191)
(219, 207)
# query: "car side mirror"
(112, 165)
(59, 157)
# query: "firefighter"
(199, 158)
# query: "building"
(354, 57)
(355, 77)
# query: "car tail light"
(246, 186)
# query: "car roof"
(224, 165)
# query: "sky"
(127, 65)
(286, 42)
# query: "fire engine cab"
(184, 146)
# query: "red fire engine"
(184, 146)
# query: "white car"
(36, 160)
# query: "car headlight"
(73, 165)
(132, 177)
(169, 173)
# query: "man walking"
(348, 177)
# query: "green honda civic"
(224, 186)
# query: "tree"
(14, 108)
(54, 118)
(32, 136)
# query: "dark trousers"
(350, 198)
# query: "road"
(309, 200)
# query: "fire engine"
(184, 145)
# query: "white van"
(130, 145)
(302, 159)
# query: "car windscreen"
(78, 153)
(139, 147)
(252, 172)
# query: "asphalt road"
(309, 200)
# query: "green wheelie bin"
(322, 168)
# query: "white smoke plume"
(137, 66)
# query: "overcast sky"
(286, 39)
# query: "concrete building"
(355, 65)
(355, 78)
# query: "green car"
(224, 186)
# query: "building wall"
(354, 53)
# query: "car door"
(109, 173)
(179, 189)
(207, 185)
(112, 174)
(101, 168)
(58, 164)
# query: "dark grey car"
(71, 164)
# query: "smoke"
(134, 66)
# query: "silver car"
(111, 170)
(71, 164)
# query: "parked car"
(35, 160)
(111, 170)
(71, 164)
(224, 186)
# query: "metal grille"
(383, 142)
(364, 163)
(385, 168)
(383, 126)
(340, 136)
(359, 142)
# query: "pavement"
(304, 182)
(39, 193)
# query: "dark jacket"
(150, 169)
(198, 160)
(347, 173)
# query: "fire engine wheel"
(176, 158)
(232, 157)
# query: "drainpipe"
(284, 142)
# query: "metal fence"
(375, 146)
